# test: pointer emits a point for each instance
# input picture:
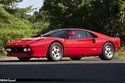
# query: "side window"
(60, 34)
(78, 35)
(90, 35)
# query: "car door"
(80, 44)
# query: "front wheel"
(108, 52)
(24, 58)
(55, 52)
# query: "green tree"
(14, 23)
(11, 3)
(61, 11)
(20, 12)
(12, 28)
(103, 16)
(10, 6)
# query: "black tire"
(75, 58)
(55, 52)
(24, 58)
(107, 52)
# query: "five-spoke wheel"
(55, 52)
(108, 52)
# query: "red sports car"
(68, 42)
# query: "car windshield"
(56, 33)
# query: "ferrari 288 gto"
(68, 42)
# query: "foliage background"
(104, 16)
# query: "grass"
(121, 53)
(2, 56)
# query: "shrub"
(13, 28)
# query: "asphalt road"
(65, 71)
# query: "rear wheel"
(76, 58)
(55, 52)
(108, 52)
(24, 58)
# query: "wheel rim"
(109, 51)
(57, 52)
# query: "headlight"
(8, 49)
(26, 49)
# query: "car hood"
(25, 41)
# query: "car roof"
(76, 29)
(71, 29)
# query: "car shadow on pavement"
(34, 60)
(64, 60)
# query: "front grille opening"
(17, 49)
